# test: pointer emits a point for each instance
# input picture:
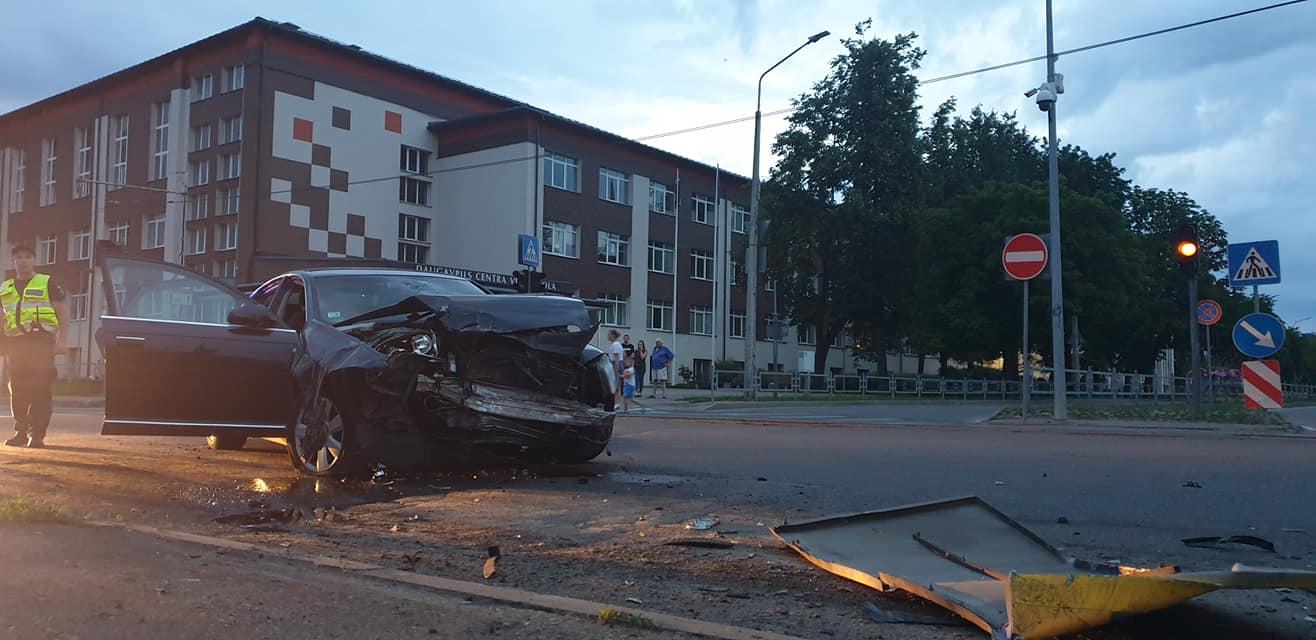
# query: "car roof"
(368, 271)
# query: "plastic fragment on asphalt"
(973, 560)
(702, 524)
(1212, 542)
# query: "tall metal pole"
(1026, 383)
(1195, 376)
(1059, 379)
(752, 260)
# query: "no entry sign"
(1024, 256)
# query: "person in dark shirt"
(35, 323)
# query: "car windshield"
(338, 298)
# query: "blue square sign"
(1254, 263)
(527, 251)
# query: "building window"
(20, 178)
(614, 249)
(230, 166)
(154, 235)
(160, 140)
(202, 268)
(662, 257)
(413, 239)
(736, 326)
(198, 173)
(769, 284)
(78, 301)
(561, 239)
(198, 206)
(660, 315)
(226, 269)
(232, 78)
(228, 201)
(735, 272)
(561, 172)
(119, 152)
(701, 321)
(614, 186)
(661, 199)
(81, 162)
(839, 341)
(80, 245)
(413, 191)
(617, 311)
(702, 209)
(701, 264)
(47, 172)
(203, 87)
(201, 137)
(806, 335)
(118, 234)
(415, 161)
(196, 240)
(47, 250)
(739, 218)
(230, 130)
(226, 236)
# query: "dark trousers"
(639, 379)
(31, 369)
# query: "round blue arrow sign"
(1259, 335)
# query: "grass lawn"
(1232, 412)
(30, 510)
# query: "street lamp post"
(752, 260)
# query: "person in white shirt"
(616, 353)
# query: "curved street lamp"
(751, 262)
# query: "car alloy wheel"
(318, 438)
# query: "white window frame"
(81, 162)
(617, 313)
(736, 325)
(230, 130)
(17, 191)
(701, 321)
(119, 152)
(413, 253)
(414, 228)
(233, 78)
(80, 244)
(414, 191)
(614, 186)
(739, 218)
(203, 87)
(734, 276)
(78, 299)
(661, 199)
(196, 240)
(48, 178)
(614, 249)
(662, 258)
(230, 201)
(701, 265)
(702, 209)
(663, 312)
(230, 166)
(226, 269)
(198, 206)
(226, 236)
(160, 140)
(47, 250)
(198, 173)
(118, 233)
(153, 234)
(414, 161)
(567, 167)
(806, 335)
(201, 137)
(560, 239)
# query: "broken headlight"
(425, 344)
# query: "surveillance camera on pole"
(1046, 93)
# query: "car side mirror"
(251, 315)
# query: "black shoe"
(36, 443)
(19, 440)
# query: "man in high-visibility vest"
(34, 314)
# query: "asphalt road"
(1130, 495)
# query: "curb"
(507, 595)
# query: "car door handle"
(129, 340)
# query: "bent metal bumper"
(523, 406)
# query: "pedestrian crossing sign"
(527, 250)
(1254, 263)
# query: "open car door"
(187, 355)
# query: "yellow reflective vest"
(34, 312)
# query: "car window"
(164, 292)
(292, 304)
(265, 294)
(338, 298)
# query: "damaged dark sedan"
(354, 368)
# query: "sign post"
(1024, 258)
(1209, 313)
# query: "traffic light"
(1186, 249)
(528, 281)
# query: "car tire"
(580, 450)
(225, 442)
(322, 444)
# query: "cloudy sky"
(1215, 111)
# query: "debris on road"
(1287, 530)
(970, 558)
(1062, 520)
(886, 616)
(1192, 484)
(491, 563)
(709, 543)
(702, 524)
(634, 601)
(1212, 542)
